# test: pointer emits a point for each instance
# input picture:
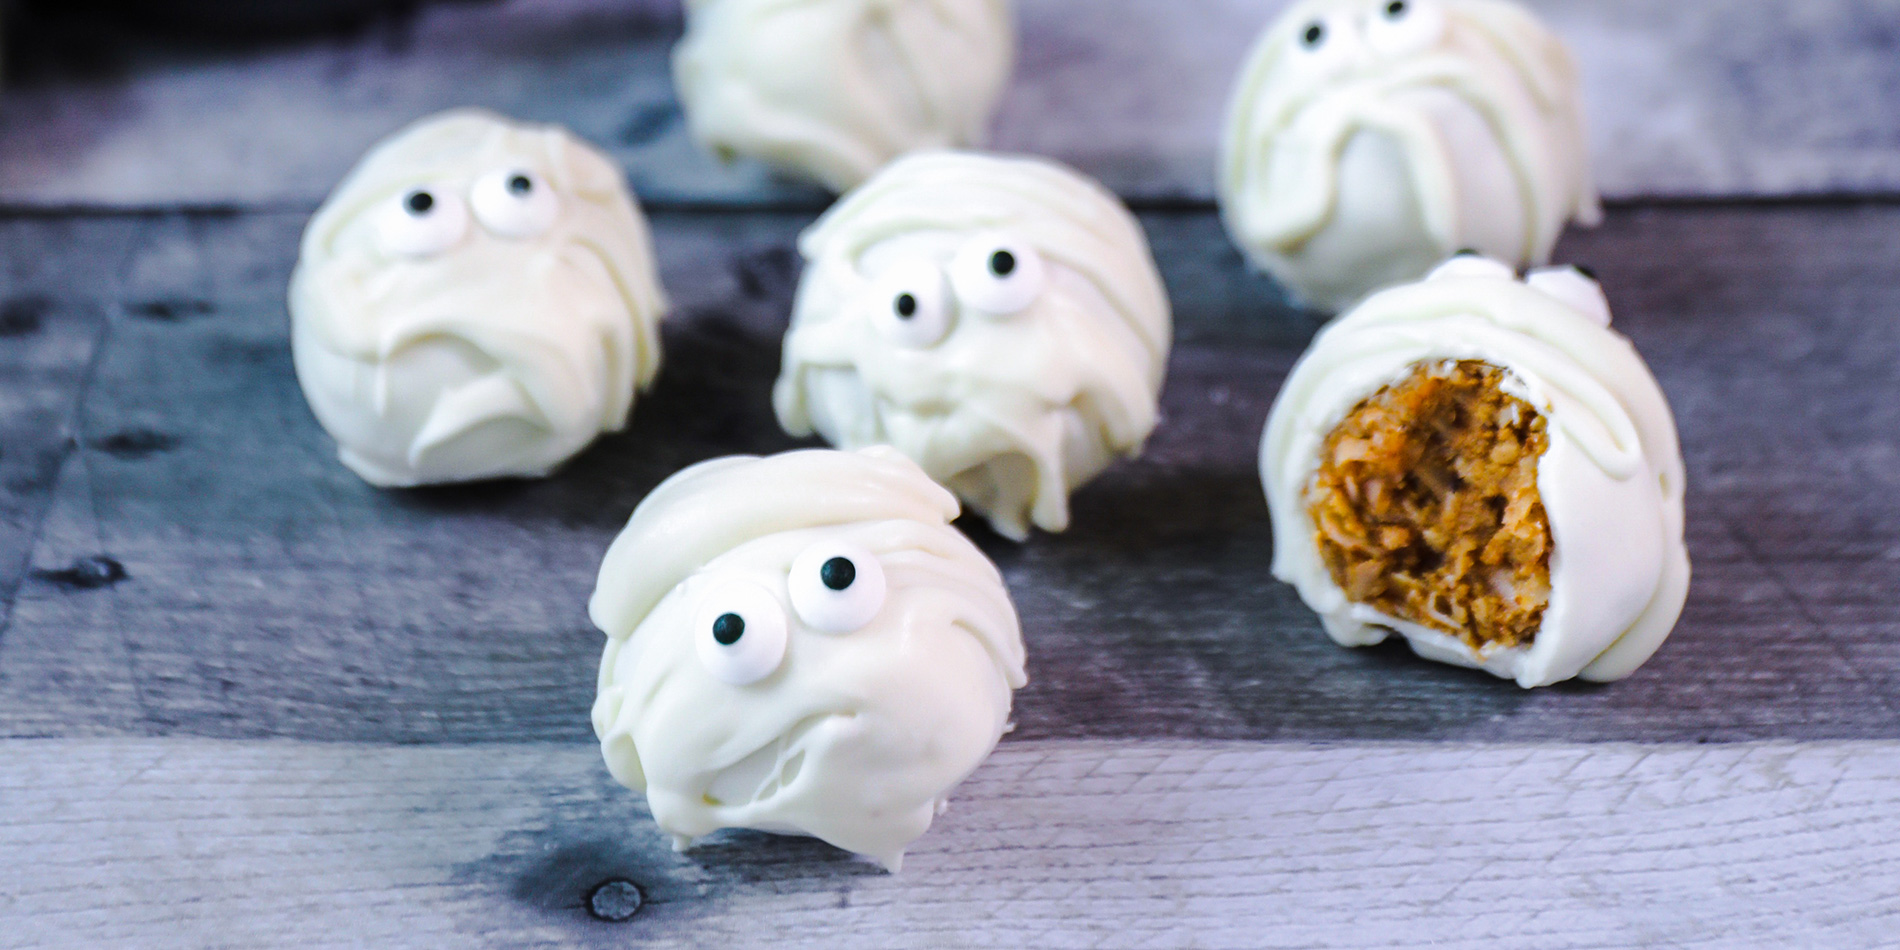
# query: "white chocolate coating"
(830, 90)
(1365, 155)
(1011, 392)
(495, 334)
(852, 734)
(1611, 479)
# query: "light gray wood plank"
(195, 843)
(1685, 99)
(271, 593)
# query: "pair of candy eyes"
(997, 274)
(422, 222)
(741, 628)
(1001, 264)
(1398, 27)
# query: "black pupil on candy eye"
(1314, 35)
(1002, 263)
(520, 184)
(906, 306)
(1395, 9)
(728, 629)
(838, 573)
(419, 202)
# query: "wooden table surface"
(247, 700)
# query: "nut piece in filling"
(1426, 505)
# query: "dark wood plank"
(1702, 99)
(49, 332)
(270, 593)
(203, 844)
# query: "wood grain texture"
(1688, 99)
(246, 700)
(271, 593)
(44, 351)
(50, 331)
(204, 844)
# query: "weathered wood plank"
(270, 593)
(1788, 97)
(43, 356)
(49, 332)
(197, 843)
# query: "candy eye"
(740, 633)
(514, 203)
(421, 222)
(836, 587)
(907, 304)
(1325, 44)
(1405, 26)
(1574, 286)
(997, 273)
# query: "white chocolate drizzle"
(1027, 383)
(1611, 480)
(830, 90)
(436, 344)
(1359, 164)
(854, 721)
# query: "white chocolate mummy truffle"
(998, 320)
(477, 299)
(801, 644)
(1367, 140)
(829, 90)
(1481, 465)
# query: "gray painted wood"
(271, 593)
(1685, 99)
(43, 355)
(49, 333)
(204, 844)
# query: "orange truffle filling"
(1426, 505)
